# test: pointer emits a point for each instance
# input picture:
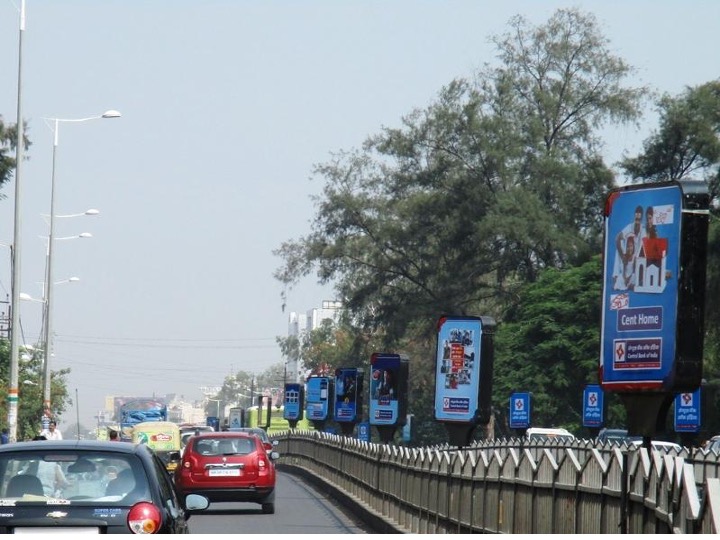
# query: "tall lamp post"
(49, 278)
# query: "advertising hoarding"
(640, 287)
(317, 398)
(293, 401)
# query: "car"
(712, 445)
(616, 436)
(228, 466)
(260, 432)
(549, 434)
(661, 446)
(187, 431)
(86, 486)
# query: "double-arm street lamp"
(49, 278)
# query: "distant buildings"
(299, 323)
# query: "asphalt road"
(299, 509)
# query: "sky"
(226, 107)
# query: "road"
(298, 509)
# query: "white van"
(544, 434)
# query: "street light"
(12, 393)
(49, 277)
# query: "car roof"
(70, 444)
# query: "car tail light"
(144, 518)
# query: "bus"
(277, 422)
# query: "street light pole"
(47, 410)
(12, 394)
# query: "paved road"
(298, 509)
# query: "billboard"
(640, 287)
(593, 406)
(388, 384)
(457, 369)
(519, 410)
(348, 394)
(293, 401)
(317, 402)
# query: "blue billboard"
(293, 402)
(385, 370)
(457, 369)
(687, 412)
(640, 287)
(317, 398)
(593, 406)
(348, 386)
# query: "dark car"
(260, 432)
(228, 466)
(97, 487)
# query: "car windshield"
(223, 446)
(72, 476)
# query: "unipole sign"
(652, 325)
(293, 402)
(317, 402)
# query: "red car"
(228, 467)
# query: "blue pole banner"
(640, 288)
(593, 406)
(520, 410)
(687, 412)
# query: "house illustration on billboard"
(650, 266)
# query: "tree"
(497, 180)
(30, 409)
(549, 344)
(687, 144)
(8, 143)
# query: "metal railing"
(512, 486)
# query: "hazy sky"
(227, 105)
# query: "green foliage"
(30, 391)
(687, 143)
(549, 344)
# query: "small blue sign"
(593, 406)
(520, 410)
(363, 431)
(687, 412)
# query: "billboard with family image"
(640, 286)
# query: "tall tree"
(496, 180)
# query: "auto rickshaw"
(163, 438)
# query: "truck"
(140, 410)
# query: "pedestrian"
(4, 438)
(113, 435)
(52, 433)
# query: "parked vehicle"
(546, 434)
(268, 443)
(163, 438)
(99, 487)
(617, 436)
(228, 466)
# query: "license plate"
(224, 472)
(56, 530)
